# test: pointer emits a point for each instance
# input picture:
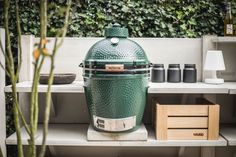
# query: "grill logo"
(114, 67)
(100, 123)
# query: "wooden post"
(2, 97)
(161, 122)
(213, 122)
(26, 71)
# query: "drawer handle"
(198, 134)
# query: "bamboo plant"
(1, 155)
(40, 53)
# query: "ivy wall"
(152, 18)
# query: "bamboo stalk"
(8, 41)
(51, 76)
(7, 59)
(32, 99)
(2, 66)
(17, 123)
(1, 155)
(19, 41)
(34, 107)
(43, 19)
(19, 65)
(10, 65)
(38, 65)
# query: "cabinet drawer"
(187, 134)
(187, 122)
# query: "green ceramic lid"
(116, 31)
(116, 49)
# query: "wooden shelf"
(76, 135)
(77, 87)
(229, 133)
(224, 40)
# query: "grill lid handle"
(81, 65)
(114, 67)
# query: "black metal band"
(116, 72)
(130, 67)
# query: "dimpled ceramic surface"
(125, 50)
(116, 95)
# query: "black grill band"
(91, 66)
(117, 72)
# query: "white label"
(121, 124)
(229, 29)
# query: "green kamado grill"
(116, 74)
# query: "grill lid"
(116, 54)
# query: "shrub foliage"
(152, 18)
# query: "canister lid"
(158, 65)
(174, 66)
(116, 31)
(189, 65)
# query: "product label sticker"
(229, 29)
(121, 124)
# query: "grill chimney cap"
(116, 31)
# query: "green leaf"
(125, 9)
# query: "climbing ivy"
(152, 18)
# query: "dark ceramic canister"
(158, 73)
(174, 73)
(190, 73)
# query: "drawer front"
(187, 122)
(187, 134)
(187, 110)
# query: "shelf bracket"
(184, 98)
(207, 151)
(181, 151)
(53, 103)
(52, 151)
(234, 102)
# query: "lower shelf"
(229, 133)
(76, 135)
